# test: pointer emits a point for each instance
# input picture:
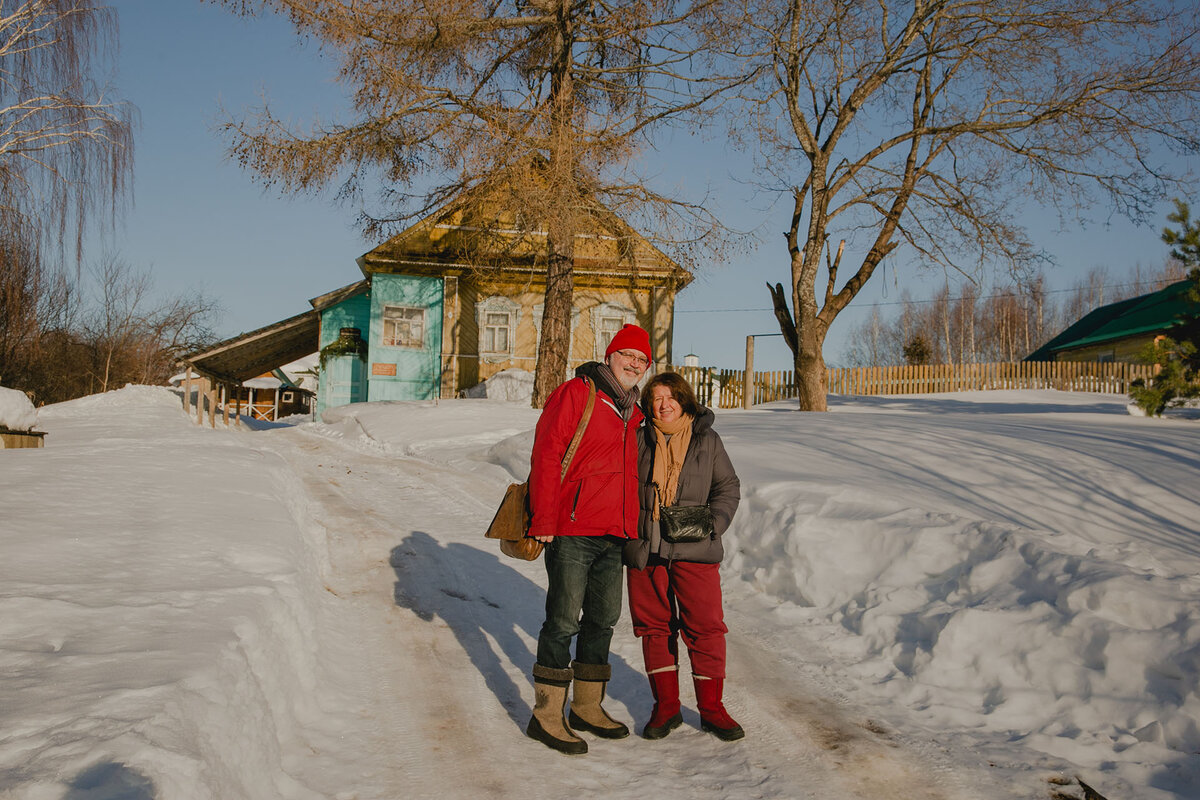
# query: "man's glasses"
(635, 356)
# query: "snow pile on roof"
(309, 362)
(16, 411)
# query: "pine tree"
(1185, 247)
(1178, 356)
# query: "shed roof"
(251, 354)
(1148, 313)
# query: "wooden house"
(458, 297)
(1119, 331)
(451, 301)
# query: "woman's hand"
(543, 539)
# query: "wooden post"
(275, 410)
(212, 405)
(225, 404)
(201, 388)
(187, 389)
(748, 378)
(237, 408)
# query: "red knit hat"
(630, 337)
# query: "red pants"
(684, 598)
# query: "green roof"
(1148, 313)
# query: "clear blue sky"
(200, 221)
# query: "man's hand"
(543, 539)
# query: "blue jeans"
(583, 597)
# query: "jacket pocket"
(596, 500)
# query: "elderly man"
(585, 520)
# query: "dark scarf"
(600, 374)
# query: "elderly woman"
(674, 574)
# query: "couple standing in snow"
(606, 512)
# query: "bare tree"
(872, 343)
(1005, 323)
(21, 288)
(548, 99)
(929, 124)
(130, 335)
(66, 146)
(61, 338)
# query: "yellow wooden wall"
(463, 366)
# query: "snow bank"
(16, 411)
(158, 616)
(445, 431)
(1028, 574)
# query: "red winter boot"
(713, 716)
(665, 717)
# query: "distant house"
(273, 394)
(269, 397)
(1118, 331)
(456, 298)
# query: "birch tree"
(930, 125)
(66, 144)
(551, 99)
(66, 157)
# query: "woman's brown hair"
(680, 389)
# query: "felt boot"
(547, 724)
(586, 712)
(713, 716)
(665, 717)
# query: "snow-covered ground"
(951, 596)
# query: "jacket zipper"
(624, 504)
(575, 502)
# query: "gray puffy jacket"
(707, 477)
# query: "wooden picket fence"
(723, 388)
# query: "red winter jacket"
(599, 496)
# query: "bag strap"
(583, 421)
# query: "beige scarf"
(668, 456)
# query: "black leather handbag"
(680, 524)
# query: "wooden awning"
(251, 354)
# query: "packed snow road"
(442, 630)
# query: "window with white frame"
(607, 319)
(496, 326)
(497, 317)
(403, 326)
